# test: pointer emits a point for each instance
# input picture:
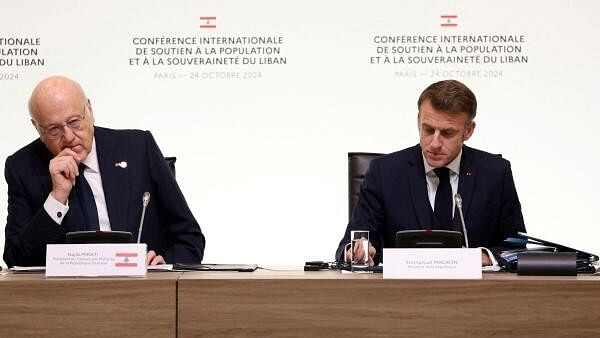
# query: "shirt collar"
(454, 165)
(91, 161)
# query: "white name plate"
(93, 260)
(432, 263)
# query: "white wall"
(262, 161)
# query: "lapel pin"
(121, 164)
(468, 172)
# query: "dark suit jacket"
(393, 197)
(169, 226)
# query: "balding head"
(55, 103)
(55, 92)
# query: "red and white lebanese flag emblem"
(126, 259)
(208, 22)
(449, 20)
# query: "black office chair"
(171, 163)
(358, 164)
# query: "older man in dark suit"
(414, 188)
(80, 177)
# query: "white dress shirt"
(433, 181)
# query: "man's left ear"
(469, 130)
(89, 104)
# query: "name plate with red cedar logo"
(95, 260)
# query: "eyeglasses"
(56, 131)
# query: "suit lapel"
(115, 180)
(418, 189)
(466, 182)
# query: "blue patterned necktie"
(86, 199)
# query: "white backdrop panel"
(262, 148)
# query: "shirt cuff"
(491, 256)
(55, 209)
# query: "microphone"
(145, 201)
(458, 202)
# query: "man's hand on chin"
(63, 172)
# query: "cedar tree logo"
(208, 22)
(124, 259)
(449, 20)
